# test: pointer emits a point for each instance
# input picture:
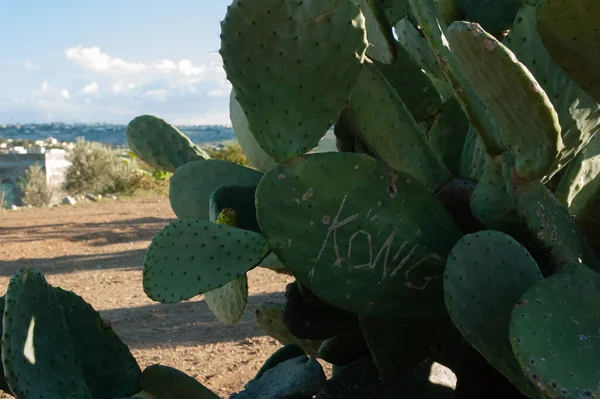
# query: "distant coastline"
(112, 134)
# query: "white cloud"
(159, 95)
(30, 65)
(44, 87)
(65, 94)
(92, 58)
(92, 87)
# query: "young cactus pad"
(365, 242)
(486, 274)
(161, 144)
(190, 257)
(192, 184)
(292, 64)
(229, 301)
(555, 333)
(37, 351)
(530, 125)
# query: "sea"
(110, 134)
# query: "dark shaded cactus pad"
(268, 318)
(37, 350)
(191, 185)
(344, 348)
(292, 64)
(495, 16)
(486, 274)
(308, 321)
(286, 352)
(109, 368)
(530, 126)
(297, 378)
(555, 333)
(241, 200)
(190, 257)
(164, 382)
(160, 144)
(365, 244)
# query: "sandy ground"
(96, 250)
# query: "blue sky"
(111, 60)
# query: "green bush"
(231, 152)
(33, 186)
(98, 169)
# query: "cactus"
(454, 230)
(164, 382)
(161, 144)
(554, 332)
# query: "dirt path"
(96, 250)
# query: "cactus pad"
(578, 112)
(286, 352)
(382, 45)
(292, 64)
(299, 377)
(165, 382)
(161, 144)
(268, 318)
(240, 200)
(109, 368)
(192, 184)
(344, 348)
(365, 243)
(254, 152)
(486, 274)
(555, 333)
(190, 257)
(495, 16)
(569, 29)
(384, 124)
(37, 350)
(530, 125)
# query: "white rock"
(69, 200)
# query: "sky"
(112, 60)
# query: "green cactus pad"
(448, 10)
(161, 144)
(192, 184)
(473, 157)
(413, 86)
(109, 368)
(447, 134)
(313, 322)
(383, 123)
(240, 199)
(164, 382)
(578, 112)
(37, 350)
(382, 44)
(268, 318)
(456, 197)
(486, 274)
(293, 65)
(282, 354)
(555, 333)
(434, 29)
(254, 152)
(190, 257)
(550, 224)
(365, 243)
(569, 29)
(530, 126)
(494, 16)
(491, 203)
(300, 377)
(228, 302)
(417, 47)
(344, 348)
(394, 10)
(3, 384)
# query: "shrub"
(33, 186)
(98, 169)
(231, 152)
